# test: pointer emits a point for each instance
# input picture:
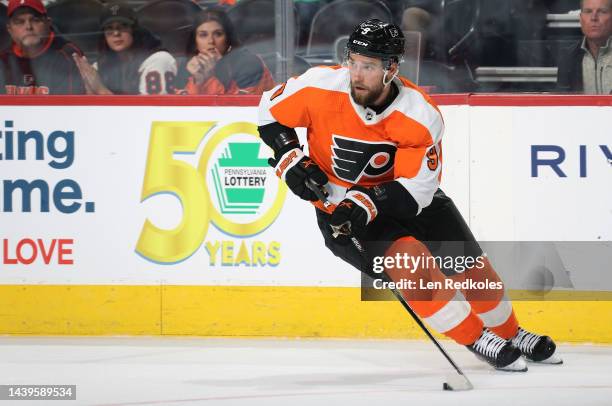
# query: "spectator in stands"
(217, 64)
(587, 66)
(38, 61)
(419, 16)
(130, 59)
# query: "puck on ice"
(446, 386)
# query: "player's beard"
(367, 98)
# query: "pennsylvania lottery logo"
(242, 186)
(240, 178)
(228, 184)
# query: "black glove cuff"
(279, 137)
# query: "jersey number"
(154, 82)
(432, 158)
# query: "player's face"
(366, 79)
(27, 29)
(596, 20)
(118, 36)
(211, 38)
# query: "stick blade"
(457, 382)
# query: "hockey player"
(374, 142)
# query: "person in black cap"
(130, 60)
(38, 60)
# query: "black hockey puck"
(446, 386)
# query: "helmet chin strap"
(384, 79)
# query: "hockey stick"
(453, 382)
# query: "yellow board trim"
(256, 311)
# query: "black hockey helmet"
(377, 39)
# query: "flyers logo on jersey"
(353, 159)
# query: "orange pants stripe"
(452, 312)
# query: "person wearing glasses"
(130, 58)
(38, 60)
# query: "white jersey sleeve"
(157, 74)
(288, 103)
(426, 181)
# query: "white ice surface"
(190, 371)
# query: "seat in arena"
(77, 21)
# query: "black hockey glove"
(352, 216)
(291, 164)
(296, 168)
(361, 205)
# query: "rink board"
(256, 311)
(134, 251)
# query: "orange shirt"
(354, 145)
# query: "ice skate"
(497, 352)
(535, 348)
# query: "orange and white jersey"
(354, 145)
(157, 74)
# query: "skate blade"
(517, 366)
(552, 360)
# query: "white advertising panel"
(541, 173)
(184, 195)
(146, 195)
